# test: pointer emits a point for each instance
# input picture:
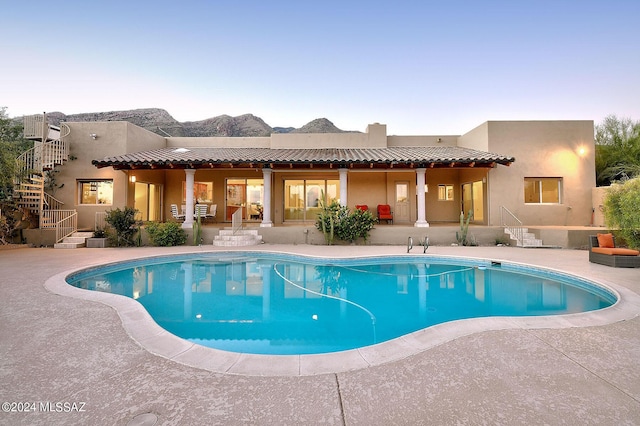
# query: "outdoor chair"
(200, 211)
(175, 214)
(603, 250)
(362, 207)
(213, 210)
(385, 213)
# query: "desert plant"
(166, 234)
(197, 232)
(621, 207)
(462, 236)
(123, 226)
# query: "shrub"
(123, 227)
(336, 221)
(621, 207)
(166, 234)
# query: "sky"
(421, 67)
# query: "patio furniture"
(175, 214)
(603, 250)
(362, 207)
(385, 213)
(200, 211)
(213, 210)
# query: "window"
(302, 197)
(202, 192)
(95, 191)
(445, 192)
(542, 190)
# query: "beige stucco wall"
(542, 149)
(597, 204)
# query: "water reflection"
(264, 305)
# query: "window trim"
(79, 186)
(539, 180)
(447, 187)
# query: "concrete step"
(69, 245)
(239, 232)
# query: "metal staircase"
(50, 149)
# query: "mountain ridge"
(158, 120)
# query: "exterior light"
(133, 179)
(582, 151)
(93, 136)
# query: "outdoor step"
(239, 232)
(235, 243)
(64, 245)
(237, 237)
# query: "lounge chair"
(603, 250)
(175, 214)
(385, 213)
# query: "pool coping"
(139, 325)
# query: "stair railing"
(512, 224)
(236, 221)
(65, 222)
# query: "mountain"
(161, 122)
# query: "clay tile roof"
(429, 156)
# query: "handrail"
(65, 222)
(52, 202)
(512, 224)
(236, 221)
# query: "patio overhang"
(323, 159)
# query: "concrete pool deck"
(576, 369)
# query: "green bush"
(621, 207)
(336, 221)
(166, 234)
(123, 227)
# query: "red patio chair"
(362, 207)
(385, 213)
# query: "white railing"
(512, 224)
(236, 221)
(100, 221)
(51, 202)
(65, 222)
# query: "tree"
(12, 144)
(621, 207)
(617, 150)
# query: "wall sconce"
(439, 140)
(582, 151)
(132, 179)
(93, 136)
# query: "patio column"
(188, 219)
(266, 207)
(422, 221)
(343, 186)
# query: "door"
(401, 207)
(147, 200)
(473, 200)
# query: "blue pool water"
(281, 304)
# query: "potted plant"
(99, 239)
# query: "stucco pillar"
(188, 219)
(266, 208)
(343, 186)
(422, 215)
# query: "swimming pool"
(263, 303)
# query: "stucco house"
(542, 172)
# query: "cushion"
(605, 240)
(615, 251)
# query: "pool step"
(75, 240)
(243, 237)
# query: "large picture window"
(95, 191)
(202, 192)
(302, 197)
(542, 190)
